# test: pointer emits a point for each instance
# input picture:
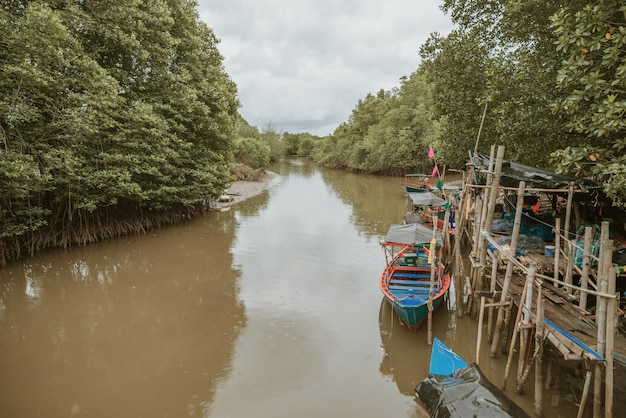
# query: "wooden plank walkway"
(568, 317)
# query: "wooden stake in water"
(432, 259)
(509, 268)
(539, 359)
(529, 277)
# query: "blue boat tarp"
(457, 389)
(411, 234)
(444, 361)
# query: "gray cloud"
(302, 65)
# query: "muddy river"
(270, 309)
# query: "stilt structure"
(552, 292)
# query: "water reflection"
(271, 309)
(407, 354)
(149, 322)
(376, 201)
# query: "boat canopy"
(513, 173)
(425, 198)
(411, 234)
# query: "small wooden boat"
(455, 388)
(410, 282)
(426, 206)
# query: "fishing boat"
(455, 388)
(413, 280)
(425, 206)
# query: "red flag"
(431, 153)
(435, 171)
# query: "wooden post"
(557, 252)
(530, 276)
(458, 259)
(523, 339)
(509, 268)
(480, 329)
(538, 406)
(478, 211)
(493, 196)
(507, 323)
(585, 395)
(610, 332)
(492, 289)
(569, 248)
(444, 233)
(488, 195)
(433, 262)
(601, 319)
(584, 279)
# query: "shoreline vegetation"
(44, 238)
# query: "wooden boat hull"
(412, 317)
(406, 282)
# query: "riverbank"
(239, 191)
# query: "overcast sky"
(302, 65)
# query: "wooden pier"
(562, 297)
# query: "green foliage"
(301, 144)
(502, 56)
(109, 110)
(387, 133)
(273, 139)
(244, 130)
(253, 152)
(458, 68)
(592, 77)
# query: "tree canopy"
(112, 113)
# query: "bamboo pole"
(601, 321)
(509, 268)
(585, 395)
(480, 329)
(485, 200)
(490, 204)
(458, 237)
(584, 279)
(557, 252)
(492, 289)
(569, 250)
(444, 233)
(433, 261)
(538, 406)
(529, 277)
(523, 268)
(507, 324)
(480, 128)
(610, 333)
(523, 339)
(478, 212)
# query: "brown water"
(269, 310)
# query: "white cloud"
(302, 65)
